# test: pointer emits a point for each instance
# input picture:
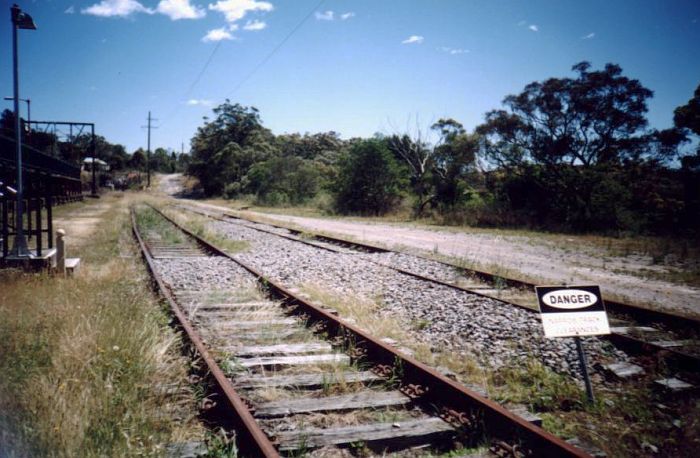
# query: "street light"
(29, 112)
(20, 20)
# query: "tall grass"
(83, 360)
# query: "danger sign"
(572, 311)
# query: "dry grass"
(83, 357)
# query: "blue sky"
(356, 67)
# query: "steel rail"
(632, 344)
(437, 389)
(254, 442)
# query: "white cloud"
(180, 9)
(589, 36)
(234, 10)
(203, 102)
(254, 25)
(217, 35)
(347, 15)
(534, 28)
(70, 10)
(121, 8)
(453, 51)
(325, 16)
(417, 39)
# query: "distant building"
(100, 165)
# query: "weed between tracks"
(84, 358)
(198, 225)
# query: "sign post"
(573, 311)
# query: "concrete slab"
(623, 370)
(528, 416)
(586, 447)
(72, 266)
(675, 343)
(632, 329)
(673, 385)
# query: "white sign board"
(572, 311)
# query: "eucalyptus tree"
(569, 139)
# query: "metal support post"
(584, 369)
(38, 226)
(94, 159)
(49, 210)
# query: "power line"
(196, 80)
(276, 48)
(256, 68)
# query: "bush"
(369, 181)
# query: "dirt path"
(82, 222)
(529, 258)
(171, 183)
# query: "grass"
(83, 357)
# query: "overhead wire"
(196, 80)
(276, 48)
(257, 67)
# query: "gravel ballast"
(493, 332)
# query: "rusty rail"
(254, 442)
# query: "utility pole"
(148, 151)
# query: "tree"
(223, 150)
(369, 180)
(566, 134)
(138, 160)
(596, 118)
(283, 180)
(688, 116)
(454, 162)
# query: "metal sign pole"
(584, 369)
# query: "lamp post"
(20, 20)
(29, 112)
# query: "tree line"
(573, 154)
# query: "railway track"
(294, 378)
(637, 330)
